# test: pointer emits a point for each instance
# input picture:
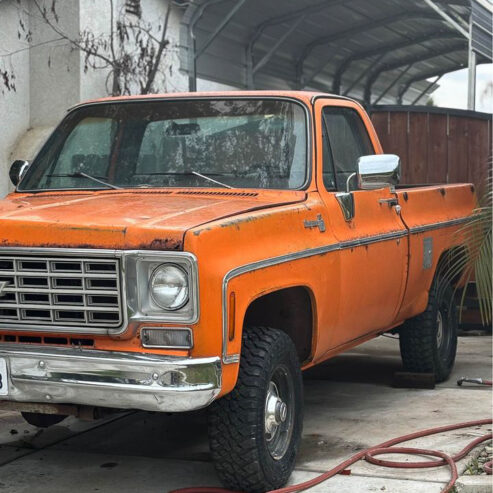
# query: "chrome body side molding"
(270, 262)
(439, 225)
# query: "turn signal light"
(167, 338)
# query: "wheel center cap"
(276, 410)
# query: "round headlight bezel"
(187, 286)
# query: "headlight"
(162, 287)
(169, 287)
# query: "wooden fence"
(439, 146)
(436, 145)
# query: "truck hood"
(123, 219)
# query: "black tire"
(43, 420)
(247, 457)
(428, 342)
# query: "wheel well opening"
(289, 310)
(451, 265)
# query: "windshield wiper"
(210, 179)
(81, 174)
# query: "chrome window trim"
(127, 315)
(273, 261)
(309, 126)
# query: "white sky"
(452, 92)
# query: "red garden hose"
(386, 448)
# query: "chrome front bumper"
(110, 379)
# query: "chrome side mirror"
(17, 171)
(378, 171)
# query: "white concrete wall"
(55, 80)
(14, 106)
(51, 75)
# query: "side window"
(327, 162)
(348, 141)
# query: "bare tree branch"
(131, 52)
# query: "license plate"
(4, 381)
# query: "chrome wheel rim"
(279, 413)
(439, 329)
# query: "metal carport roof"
(379, 51)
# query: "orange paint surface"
(357, 292)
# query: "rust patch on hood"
(164, 244)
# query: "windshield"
(249, 143)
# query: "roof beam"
(362, 75)
(363, 26)
(278, 43)
(393, 83)
(219, 28)
(383, 48)
(426, 89)
(386, 67)
(450, 21)
(423, 76)
(273, 21)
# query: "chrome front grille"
(60, 291)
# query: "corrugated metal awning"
(380, 51)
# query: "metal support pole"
(393, 83)
(471, 75)
(428, 87)
(192, 58)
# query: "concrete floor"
(349, 405)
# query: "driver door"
(373, 244)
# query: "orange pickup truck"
(172, 252)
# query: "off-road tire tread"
(233, 419)
(417, 338)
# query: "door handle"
(392, 202)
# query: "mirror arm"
(348, 181)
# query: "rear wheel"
(255, 430)
(428, 342)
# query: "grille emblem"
(3, 285)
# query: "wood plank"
(458, 159)
(437, 149)
(380, 121)
(418, 148)
(397, 141)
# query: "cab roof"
(306, 96)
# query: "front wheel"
(43, 420)
(428, 342)
(255, 430)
